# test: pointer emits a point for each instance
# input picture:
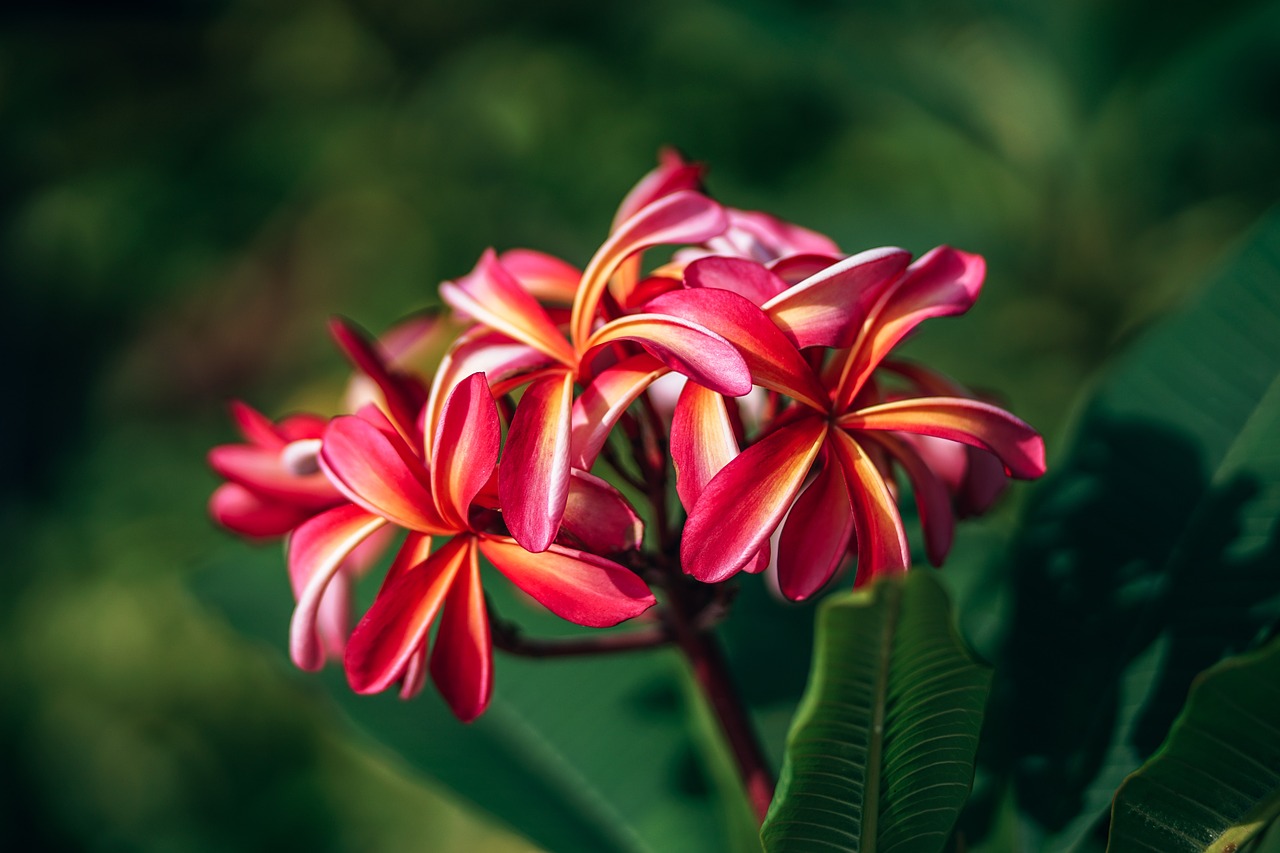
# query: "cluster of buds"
(755, 361)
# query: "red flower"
(444, 489)
(549, 434)
(821, 473)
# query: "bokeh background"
(188, 189)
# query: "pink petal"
(941, 283)
(686, 347)
(316, 552)
(300, 427)
(413, 552)
(882, 541)
(396, 626)
(240, 510)
(466, 448)
(815, 536)
(932, 500)
(771, 237)
(263, 471)
(672, 175)
(462, 660)
(574, 585)
(418, 339)
(739, 509)
(971, 422)
(402, 397)
(544, 277)
(702, 441)
(827, 308)
(681, 217)
(490, 295)
(477, 351)
(745, 278)
(415, 674)
(333, 619)
(796, 268)
(598, 516)
(380, 473)
(773, 360)
(602, 403)
(533, 477)
(983, 484)
(370, 551)
(256, 427)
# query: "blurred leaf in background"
(187, 189)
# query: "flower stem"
(508, 638)
(711, 671)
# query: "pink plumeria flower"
(550, 434)
(821, 469)
(274, 482)
(448, 505)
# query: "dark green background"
(187, 190)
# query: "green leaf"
(1215, 783)
(1149, 554)
(880, 756)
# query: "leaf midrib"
(875, 743)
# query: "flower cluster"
(755, 360)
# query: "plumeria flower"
(447, 507)
(821, 472)
(273, 480)
(615, 360)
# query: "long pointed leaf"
(880, 757)
(1215, 783)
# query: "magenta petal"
(490, 295)
(333, 620)
(702, 441)
(681, 217)
(932, 500)
(672, 175)
(882, 541)
(396, 626)
(415, 674)
(971, 422)
(465, 449)
(255, 426)
(316, 552)
(740, 508)
(545, 277)
(533, 477)
(380, 473)
(684, 346)
(598, 516)
(462, 660)
(240, 510)
(816, 534)
(745, 278)
(574, 585)
(984, 482)
(402, 396)
(602, 403)
(773, 360)
(264, 471)
(828, 307)
(477, 351)
(943, 282)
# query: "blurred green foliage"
(188, 189)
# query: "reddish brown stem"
(507, 637)
(711, 671)
(555, 647)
